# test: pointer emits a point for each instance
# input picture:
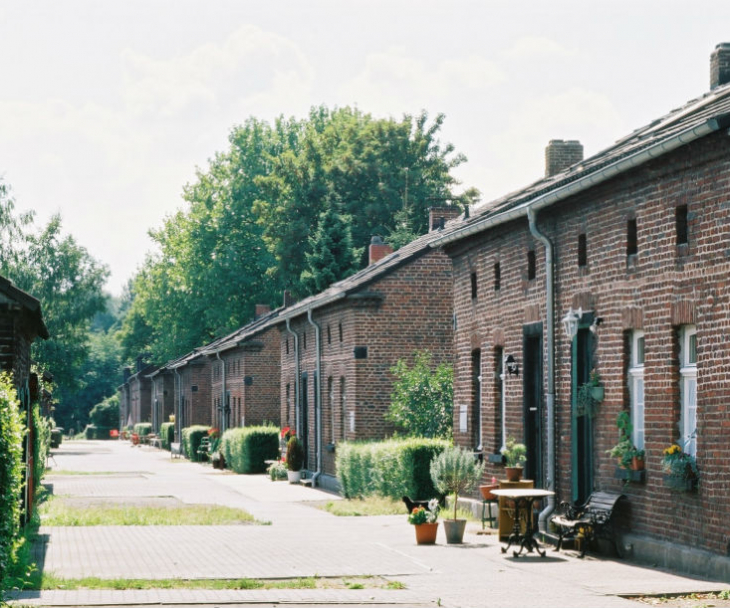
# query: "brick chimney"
(288, 299)
(720, 65)
(559, 155)
(438, 216)
(378, 249)
(261, 310)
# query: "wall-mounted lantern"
(570, 322)
(512, 368)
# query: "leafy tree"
(105, 414)
(331, 256)
(422, 401)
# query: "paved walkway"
(301, 540)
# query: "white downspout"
(296, 376)
(550, 318)
(223, 392)
(317, 399)
(178, 408)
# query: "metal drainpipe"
(155, 429)
(223, 392)
(550, 314)
(178, 415)
(296, 375)
(317, 398)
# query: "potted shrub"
(294, 459)
(680, 469)
(455, 471)
(424, 520)
(277, 471)
(515, 457)
(589, 395)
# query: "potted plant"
(624, 449)
(294, 459)
(637, 460)
(680, 469)
(455, 471)
(277, 470)
(589, 395)
(515, 457)
(425, 522)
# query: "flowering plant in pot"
(294, 459)
(515, 457)
(680, 469)
(454, 472)
(425, 521)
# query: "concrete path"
(301, 540)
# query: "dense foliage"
(106, 413)
(143, 428)
(290, 205)
(394, 468)
(191, 438)
(246, 450)
(11, 475)
(422, 402)
(167, 434)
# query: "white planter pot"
(294, 476)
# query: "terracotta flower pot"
(513, 473)
(487, 491)
(426, 533)
(637, 464)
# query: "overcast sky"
(107, 107)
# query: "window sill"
(630, 476)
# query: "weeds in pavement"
(371, 505)
(49, 581)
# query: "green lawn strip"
(56, 513)
(371, 505)
(54, 473)
(50, 581)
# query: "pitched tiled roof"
(679, 127)
(27, 301)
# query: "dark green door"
(532, 401)
(582, 435)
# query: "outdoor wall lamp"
(511, 365)
(594, 326)
(570, 322)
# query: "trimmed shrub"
(11, 475)
(142, 429)
(167, 434)
(106, 413)
(246, 450)
(41, 445)
(90, 431)
(191, 437)
(394, 468)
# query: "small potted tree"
(515, 457)
(455, 471)
(294, 459)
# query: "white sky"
(107, 107)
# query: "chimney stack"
(559, 155)
(720, 65)
(288, 299)
(378, 249)
(438, 216)
(261, 310)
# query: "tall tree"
(331, 256)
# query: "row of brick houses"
(631, 245)
(634, 245)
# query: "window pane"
(692, 347)
(640, 351)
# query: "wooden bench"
(589, 521)
(175, 450)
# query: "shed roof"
(31, 305)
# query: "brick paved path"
(300, 541)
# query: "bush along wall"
(167, 434)
(11, 476)
(191, 437)
(143, 428)
(395, 468)
(104, 417)
(246, 450)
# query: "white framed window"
(636, 387)
(688, 388)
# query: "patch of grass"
(371, 505)
(49, 581)
(53, 472)
(56, 513)
(395, 585)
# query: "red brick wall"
(197, 403)
(663, 287)
(411, 310)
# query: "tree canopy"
(289, 205)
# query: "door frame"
(535, 452)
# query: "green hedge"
(167, 434)
(97, 432)
(11, 476)
(143, 428)
(247, 449)
(191, 437)
(106, 413)
(395, 468)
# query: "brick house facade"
(162, 397)
(245, 374)
(192, 391)
(338, 347)
(639, 237)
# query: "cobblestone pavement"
(301, 540)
